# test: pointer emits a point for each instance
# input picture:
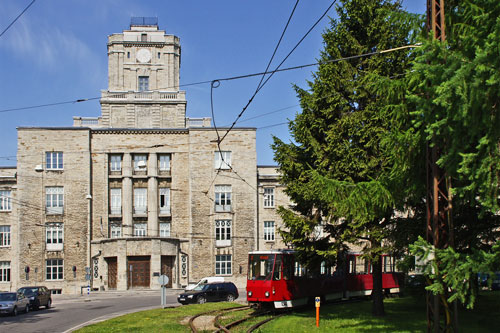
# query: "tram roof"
(278, 251)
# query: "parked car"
(211, 292)
(205, 280)
(12, 303)
(38, 296)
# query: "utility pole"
(439, 228)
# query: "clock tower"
(143, 79)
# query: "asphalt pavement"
(71, 312)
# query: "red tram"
(275, 278)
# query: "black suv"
(38, 296)
(212, 292)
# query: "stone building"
(118, 200)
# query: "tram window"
(323, 270)
(260, 267)
(352, 266)
(388, 264)
(361, 265)
(287, 267)
(299, 269)
(277, 269)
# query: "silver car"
(12, 303)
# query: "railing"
(86, 121)
(144, 95)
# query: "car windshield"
(200, 287)
(28, 291)
(8, 297)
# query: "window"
(4, 235)
(269, 230)
(268, 197)
(388, 264)
(144, 37)
(54, 233)
(5, 201)
(361, 265)
(164, 162)
(54, 160)
(222, 198)
(115, 230)
(54, 200)
(165, 229)
(159, 55)
(143, 83)
(54, 269)
(115, 201)
(165, 200)
(115, 163)
(140, 162)
(4, 271)
(128, 55)
(222, 232)
(223, 160)
(223, 264)
(140, 200)
(140, 229)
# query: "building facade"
(141, 191)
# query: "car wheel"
(14, 311)
(201, 300)
(49, 304)
(230, 298)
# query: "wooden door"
(112, 272)
(138, 272)
(167, 264)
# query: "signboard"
(163, 280)
(317, 300)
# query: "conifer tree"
(338, 170)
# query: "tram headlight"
(267, 294)
(250, 294)
(274, 291)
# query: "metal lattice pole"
(439, 229)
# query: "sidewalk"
(114, 293)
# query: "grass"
(158, 320)
(406, 314)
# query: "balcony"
(143, 95)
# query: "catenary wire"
(274, 71)
(18, 16)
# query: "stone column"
(122, 265)
(127, 201)
(152, 195)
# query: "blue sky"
(56, 52)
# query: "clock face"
(143, 55)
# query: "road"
(69, 313)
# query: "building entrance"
(138, 272)
(112, 272)
(167, 265)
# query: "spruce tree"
(338, 169)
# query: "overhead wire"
(232, 77)
(262, 84)
(216, 83)
(18, 16)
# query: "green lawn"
(406, 314)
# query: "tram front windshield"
(260, 266)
